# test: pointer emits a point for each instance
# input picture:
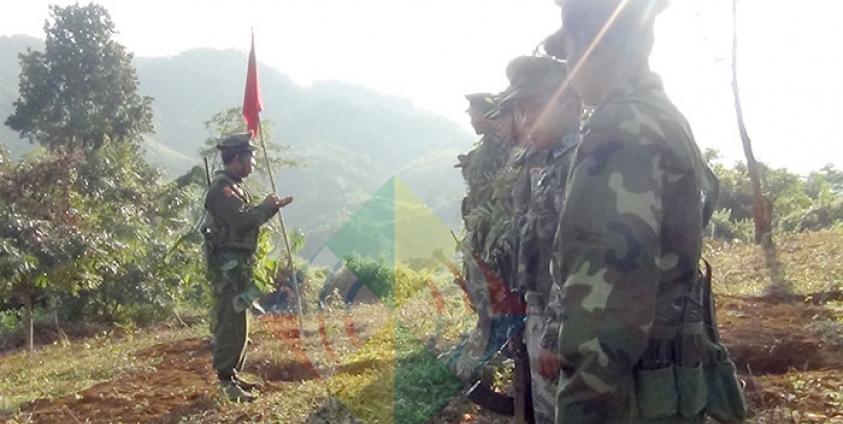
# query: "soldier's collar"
(232, 177)
(644, 81)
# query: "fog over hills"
(351, 139)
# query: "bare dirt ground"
(793, 373)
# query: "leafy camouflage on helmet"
(629, 236)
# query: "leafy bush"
(800, 203)
(721, 227)
(376, 275)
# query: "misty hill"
(351, 139)
(10, 47)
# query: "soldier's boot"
(245, 383)
(231, 390)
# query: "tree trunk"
(761, 206)
(28, 326)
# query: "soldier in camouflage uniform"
(548, 122)
(631, 344)
(231, 233)
(486, 211)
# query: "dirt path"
(179, 385)
(791, 367)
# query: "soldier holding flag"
(231, 236)
(231, 232)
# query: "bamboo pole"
(290, 263)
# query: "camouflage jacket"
(232, 221)
(538, 198)
(631, 235)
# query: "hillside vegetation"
(334, 374)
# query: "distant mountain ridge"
(351, 139)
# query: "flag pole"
(251, 112)
(290, 263)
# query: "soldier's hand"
(273, 201)
(284, 201)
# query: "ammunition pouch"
(214, 235)
(685, 370)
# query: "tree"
(761, 206)
(229, 121)
(81, 91)
(40, 235)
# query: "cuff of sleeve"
(267, 211)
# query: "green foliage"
(40, 232)
(88, 235)
(799, 203)
(377, 276)
(81, 91)
(5, 157)
(133, 220)
(423, 385)
(230, 121)
(90, 230)
(721, 226)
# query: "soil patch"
(804, 397)
(793, 370)
(766, 336)
(181, 384)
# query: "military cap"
(499, 108)
(532, 76)
(481, 102)
(236, 143)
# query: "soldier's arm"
(611, 228)
(234, 212)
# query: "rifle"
(207, 171)
(522, 381)
(520, 406)
(198, 226)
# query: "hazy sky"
(434, 51)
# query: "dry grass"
(805, 263)
(65, 368)
(377, 363)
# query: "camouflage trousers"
(488, 335)
(467, 359)
(544, 390)
(231, 276)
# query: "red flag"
(252, 104)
